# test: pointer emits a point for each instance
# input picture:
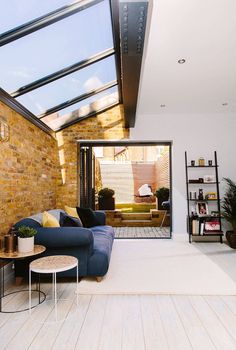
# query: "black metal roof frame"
(77, 99)
(44, 21)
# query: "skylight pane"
(55, 47)
(69, 87)
(93, 104)
(17, 12)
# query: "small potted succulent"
(106, 200)
(26, 239)
(229, 210)
(162, 195)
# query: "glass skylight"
(88, 106)
(17, 12)
(69, 87)
(56, 46)
(40, 55)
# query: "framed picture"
(212, 226)
(209, 178)
(211, 195)
(202, 208)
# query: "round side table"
(54, 264)
(38, 249)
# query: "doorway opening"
(131, 181)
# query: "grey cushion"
(55, 212)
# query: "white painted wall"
(200, 135)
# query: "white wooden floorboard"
(70, 330)
(25, 333)
(154, 334)
(50, 328)
(126, 323)
(11, 323)
(226, 316)
(14, 301)
(91, 330)
(231, 302)
(219, 335)
(195, 330)
(175, 333)
(133, 336)
(112, 327)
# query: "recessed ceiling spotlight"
(181, 61)
(225, 104)
(162, 106)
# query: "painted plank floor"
(127, 322)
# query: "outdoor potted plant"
(229, 211)
(26, 239)
(162, 195)
(106, 200)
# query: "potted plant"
(106, 200)
(162, 195)
(26, 239)
(229, 210)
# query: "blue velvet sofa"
(91, 246)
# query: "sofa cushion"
(48, 220)
(88, 217)
(71, 211)
(55, 212)
(69, 221)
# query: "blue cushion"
(69, 221)
(88, 217)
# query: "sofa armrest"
(63, 237)
(101, 216)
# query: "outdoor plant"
(229, 203)
(106, 192)
(26, 232)
(163, 193)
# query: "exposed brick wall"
(28, 170)
(32, 176)
(104, 126)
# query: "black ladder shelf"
(197, 222)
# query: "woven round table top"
(53, 263)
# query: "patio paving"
(142, 232)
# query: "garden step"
(136, 216)
(137, 223)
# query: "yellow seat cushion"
(48, 220)
(71, 211)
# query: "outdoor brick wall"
(104, 126)
(144, 173)
(162, 170)
(28, 170)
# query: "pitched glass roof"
(25, 11)
(63, 59)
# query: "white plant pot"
(25, 245)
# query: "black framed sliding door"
(87, 178)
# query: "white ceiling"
(204, 33)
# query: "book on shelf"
(195, 227)
(202, 228)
